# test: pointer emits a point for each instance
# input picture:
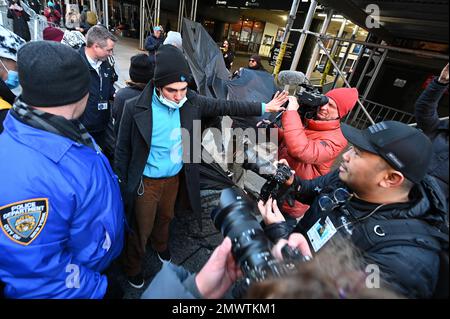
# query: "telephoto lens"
(250, 247)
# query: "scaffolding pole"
(105, 14)
(379, 46)
(371, 83)
(157, 12)
(148, 11)
(142, 24)
(358, 60)
(287, 32)
(302, 41)
(334, 49)
(375, 74)
(346, 54)
(195, 11)
(316, 52)
(366, 67)
(181, 10)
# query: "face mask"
(13, 78)
(171, 104)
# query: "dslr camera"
(250, 246)
(276, 177)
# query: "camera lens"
(250, 246)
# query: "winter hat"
(66, 82)
(10, 43)
(141, 69)
(256, 57)
(345, 99)
(53, 34)
(174, 38)
(170, 66)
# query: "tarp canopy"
(205, 60)
(252, 86)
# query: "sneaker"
(164, 255)
(136, 281)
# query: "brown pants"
(154, 211)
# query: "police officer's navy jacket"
(61, 215)
(101, 90)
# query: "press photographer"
(245, 252)
(310, 144)
(264, 270)
(383, 201)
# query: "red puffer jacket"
(309, 149)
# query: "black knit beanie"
(141, 69)
(52, 74)
(170, 66)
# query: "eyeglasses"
(251, 60)
(331, 201)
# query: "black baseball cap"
(405, 148)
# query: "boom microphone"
(291, 78)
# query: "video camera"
(308, 96)
(250, 246)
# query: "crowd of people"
(96, 174)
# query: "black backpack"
(412, 232)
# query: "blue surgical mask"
(171, 104)
(13, 78)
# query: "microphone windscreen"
(291, 78)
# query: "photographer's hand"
(270, 212)
(278, 100)
(296, 241)
(290, 181)
(219, 273)
(293, 104)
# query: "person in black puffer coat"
(437, 130)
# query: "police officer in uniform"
(61, 212)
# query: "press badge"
(102, 106)
(320, 234)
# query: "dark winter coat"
(410, 270)
(135, 139)
(100, 90)
(20, 23)
(428, 121)
(122, 96)
(152, 45)
(228, 58)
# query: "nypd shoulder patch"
(23, 221)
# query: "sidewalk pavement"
(125, 48)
